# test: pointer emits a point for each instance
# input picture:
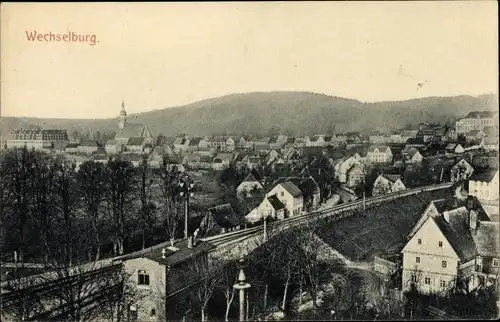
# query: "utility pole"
(187, 186)
(242, 286)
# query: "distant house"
(387, 183)
(253, 181)
(417, 142)
(72, 147)
(136, 144)
(476, 120)
(221, 219)
(317, 140)
(490, 143)
(474, 136)
(194, 144)
(111, 147)
(230, 144)
(222, 160)
(87, 147)
(290, 195)
(379, 154)
(203, 143)
(133, 158)
(454, 148)
(342, 166)
(485, 185)
(181, 142)
(462, 170)
(412, 155)
(355, 175)
(270, 207)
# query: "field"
(382, 230)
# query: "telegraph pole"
(242, 286)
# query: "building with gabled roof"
(450, 244)
(158, 272)
(221, 219)
(252, 181)
(484, 185)
(476, 120)
(379, 154)
(270, 207)
(290, 195)
(388, 183)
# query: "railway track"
(335, 211)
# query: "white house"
(412, 155)
(379, 154)
(342, 166)
(387, 183)
(250, 183)
(484, 185)
(270, 207)
(290, 195)
(450, 243)
(454, 148)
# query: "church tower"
(123, 117)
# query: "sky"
(159, 55)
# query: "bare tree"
(92, 177)
(66, 203)
(119, 193)
(171, 208)
(209, 278)
(227, 278)
(18, 171)
(147, 210)
(21, 303)
(42, 184)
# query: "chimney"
(472, 219)
(190, 242)
(446, 216)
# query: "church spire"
(123, 116)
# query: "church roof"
(130, 130)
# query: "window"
(414, 278)
(282, 193)
(143, 278)
(417, 259)
(495, 262)
(440, 244)
(420, 241)
(427, 280)
(443, 264)
(153, 312)
(442, 283)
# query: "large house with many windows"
(476, 120)
(454, 243)
(38, 139)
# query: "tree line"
(50, 209)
